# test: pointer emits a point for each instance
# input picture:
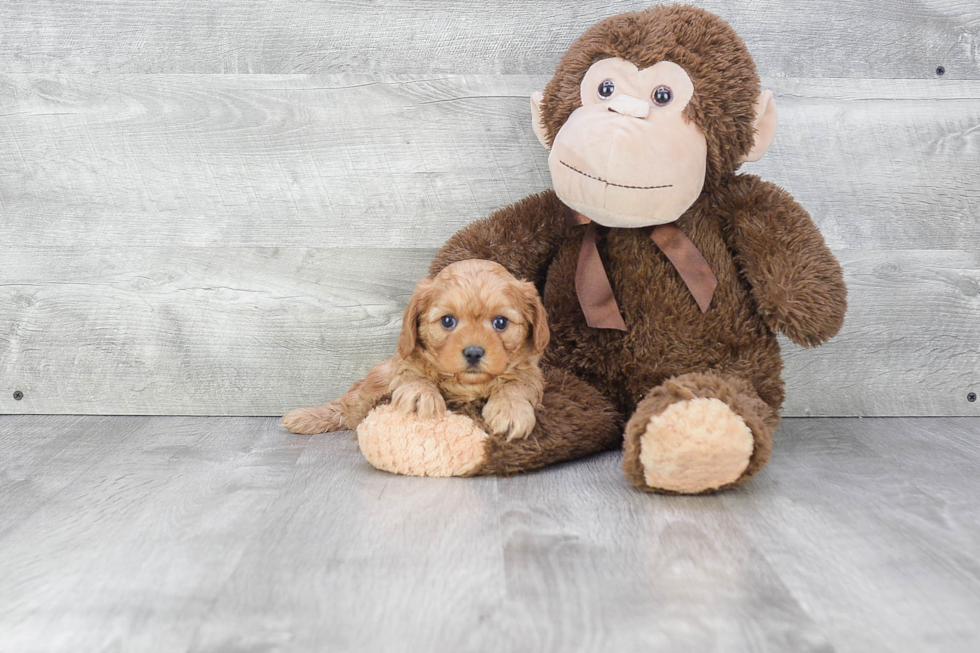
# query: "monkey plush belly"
(667, 334)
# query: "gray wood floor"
(229, 534)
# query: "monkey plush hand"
(665, 274)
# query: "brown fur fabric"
(573, 420)
(774, 270)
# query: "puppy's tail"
(348, 411)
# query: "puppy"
(472, 333)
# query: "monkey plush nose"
(473, 354)
(628, 105)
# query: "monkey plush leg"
(573, 421)
(698, 433)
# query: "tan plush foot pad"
(695, 445)
(404, 444)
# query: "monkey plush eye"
(662, 96)
(448, 322)
(500, 323)
(606, 89)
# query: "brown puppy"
(473, 332)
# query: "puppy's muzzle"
(473, 355)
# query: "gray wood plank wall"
(222, 208)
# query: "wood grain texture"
(336, 580)
(862, 519)
(147, 526)
(386, 161)
(229, 534)
(636, 575)
(820, 38)
(43, 457)
(170, 330)
(261, 330)
(909, 342)
(222, 207)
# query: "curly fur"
(429, 368)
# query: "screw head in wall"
(941, 70)
(18, 395)
(971, 396)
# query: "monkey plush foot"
(698, 433)
(403, 443)
(694, 446)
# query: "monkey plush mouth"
(585, 174)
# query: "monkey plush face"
(628, 156)
(646, 110)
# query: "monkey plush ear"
(536, 123)
(765, 126)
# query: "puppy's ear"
(408, 339)
(537, 318)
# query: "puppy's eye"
(448, 321)
(500, 323)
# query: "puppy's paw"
(420, 399)
(430, 405)
(315, 419)
(512, 418)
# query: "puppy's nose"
(473, 354)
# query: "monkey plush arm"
(522, 237)
(796, 281)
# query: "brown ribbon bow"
(592, 285)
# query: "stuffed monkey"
(666, 275)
